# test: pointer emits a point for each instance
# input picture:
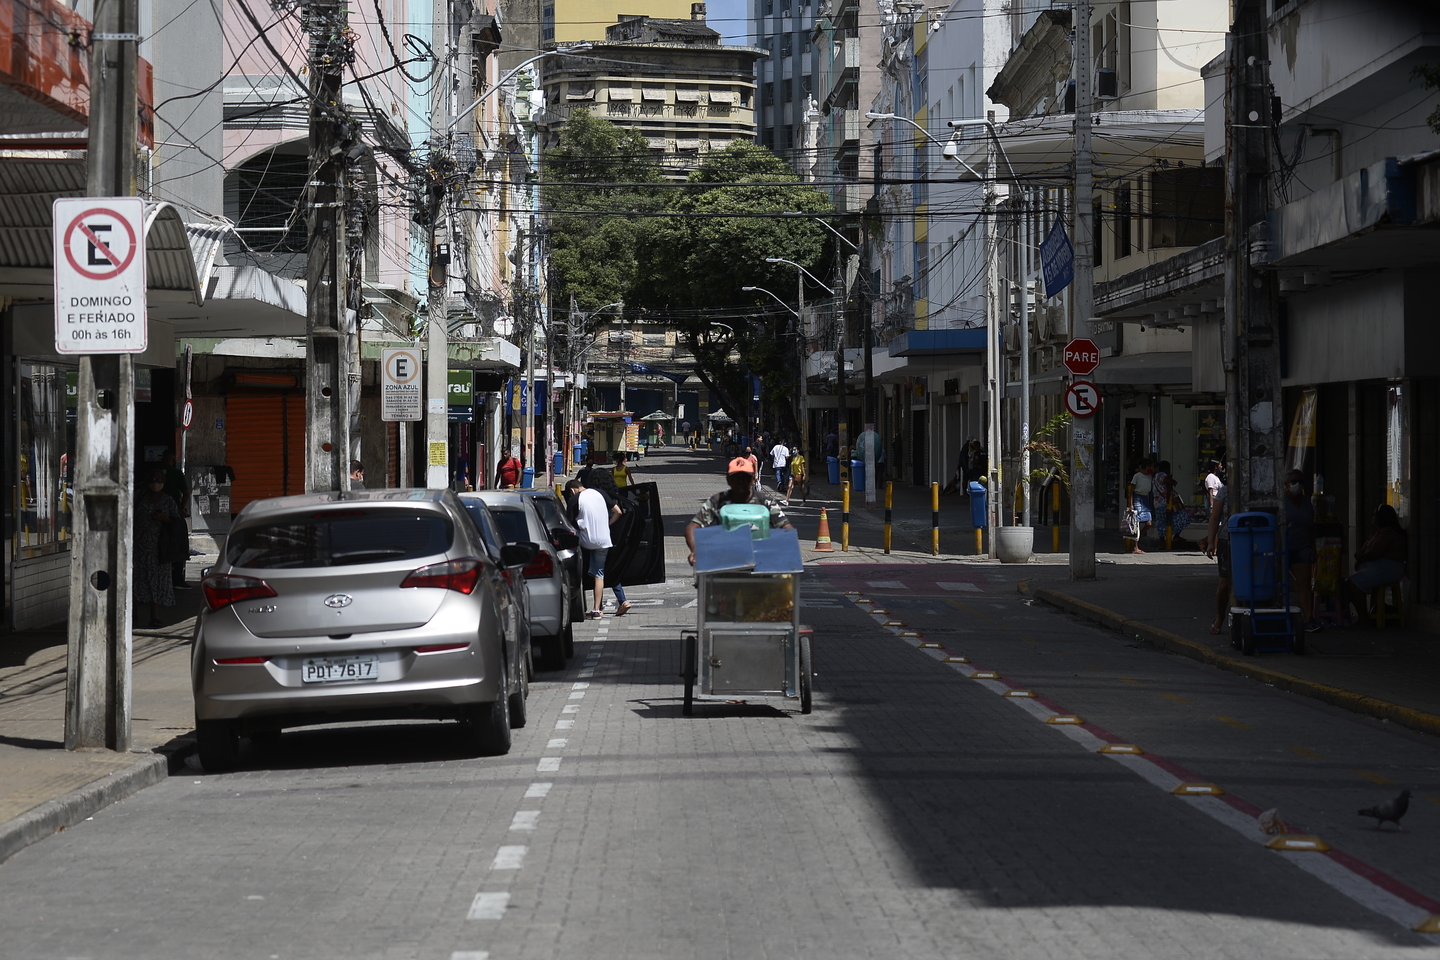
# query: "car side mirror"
(564, 539)
(518, 554)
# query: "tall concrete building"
(785, 78)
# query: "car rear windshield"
(340, 539)
(550, 512)
(512, 524)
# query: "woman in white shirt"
(1139, 492)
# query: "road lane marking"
(570, 708)
(886, 585)
(538, 791)
(580, 686)
(525, 820)
(1232, 722)
(578, 695)
(1305, 752)
(509, 857)
(587, 672)
(548, 765)
(557, 743)
(470, 955)
(488, 906)
(1384, 781)
(564, 724)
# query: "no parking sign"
(99, 256)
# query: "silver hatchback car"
(359, 605)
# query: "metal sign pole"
(1082, 433)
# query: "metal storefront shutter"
(265, 445)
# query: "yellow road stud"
(1018, 693)
(1120, 748)
(1197, 790)
(1298, 841)
(1064, 719)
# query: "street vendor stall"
(748, 644)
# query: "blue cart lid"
(718, 550)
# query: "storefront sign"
(462, 388)
(99, 255)
(400, 389)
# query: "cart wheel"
(1247, 639)
(691, 653)
(805, 671)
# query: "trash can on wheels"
(1262, 619)
(857, 476)
(832, 465)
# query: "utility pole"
(97, 677)
(850, 292)
(1082, 434)
(527, 442)
(1253, 410)
(802, 415)
(437, 341)
(327, 366)
(992, 343)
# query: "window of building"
(788, 91)
(786, 45)
(548, 33)
(767, 94)
(921, 190)
(921, 286)
(548, 13)
(1187, 206)
(44, 401)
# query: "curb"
(52, 816)
(1335, 696)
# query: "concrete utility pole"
(97, 678)
(437, 341)
(327, 356)
(849, 293)
(1082, 299)
(527, 442)
(1253, 409)
(993, 356)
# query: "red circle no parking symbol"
(99, 244)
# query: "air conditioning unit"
(1107, 84)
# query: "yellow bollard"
(1055, 512)
(934, 519)
(845, 515)
(889, 491)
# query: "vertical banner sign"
(401, 389)
(1057, 259)
(99, 255)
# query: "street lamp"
(802, 395)
(580, 47)
(810, 216)
(777, 299)
(948, 149)
(807, 273)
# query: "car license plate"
(333, 669)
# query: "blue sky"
(730, 17)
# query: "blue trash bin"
(833, 465)
(527, 479)
(978, 497)
(559, 462)
(1254, 558)
(857, 476)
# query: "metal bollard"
(1055, 513)
(889, 490)
(845, 515)
(934, 519)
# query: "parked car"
(359, 605)
(546, 581)
(561, 528)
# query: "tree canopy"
(681, 253)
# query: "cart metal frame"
(748, 644)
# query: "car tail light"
(459, 575)
(541, 566)
(223, 589)
(233, 660)
(440, 647)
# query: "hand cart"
(1263, 619)
(747, 644)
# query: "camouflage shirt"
(709, 513)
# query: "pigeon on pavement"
(1391, 810)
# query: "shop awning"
(1145, 369)
(918, 343)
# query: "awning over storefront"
(1142, 370)
(919, 343)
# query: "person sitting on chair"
(1379, 561)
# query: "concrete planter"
(1014, 544)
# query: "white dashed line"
(538, 790)
(589, 672)
(885, 585)
(470, 955)
(548, 765)
(578, 695)
(511, 857)
(488, 906)
(557, 743)
(570, 708)
(564, 724)
(966, 587)
(525, 820)
(580, 686)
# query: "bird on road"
(1391, 810)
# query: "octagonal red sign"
(1081, 356)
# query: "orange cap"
(741, 465)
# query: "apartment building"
(786, 78)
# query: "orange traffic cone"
(822, 539)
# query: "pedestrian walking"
(593, 516)
(799, 478)
(1300, 545)
(603, 482)
(177, 488)
(1138, 494)
(1215, 471)
(507, 471)
(154, 546)
(1217, 540)
(621, 470)
(754, 461)
(1379, 561)
(1160, 490)
(780, 461)
(357, 475)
